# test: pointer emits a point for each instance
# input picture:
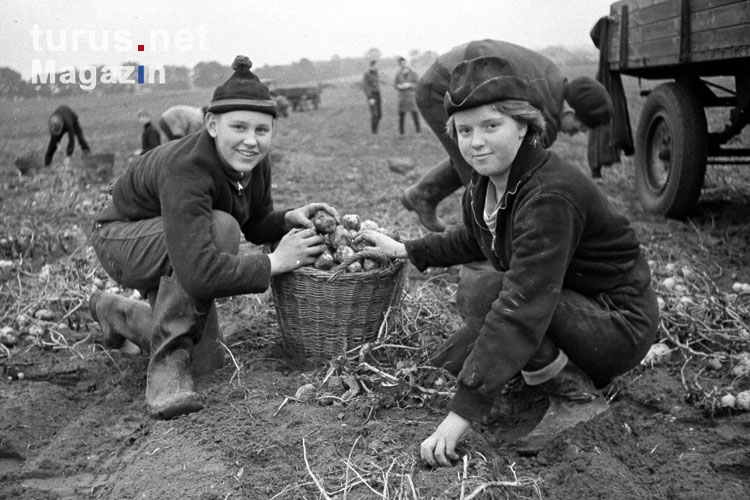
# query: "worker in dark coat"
(150, 137)
(568, 106)
(64, 121)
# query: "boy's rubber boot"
(424, 196)
(208, 353)
(573, 399)
(178, 321)
(122, 318)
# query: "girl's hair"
(520, 111)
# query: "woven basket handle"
(380, 257)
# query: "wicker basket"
(325, 313)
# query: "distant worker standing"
(179, 121)
(371, 85)
(568, 106)
(64, 121)
(150, 137)
(406, 85)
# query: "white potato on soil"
(728, 401)
(656, 354)
(669, 283)
(305, 392)
(743, 400)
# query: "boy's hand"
(298, 247)
(300, 217)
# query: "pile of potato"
(340, 241)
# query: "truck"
(697, 53)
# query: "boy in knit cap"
(64, 121)
(171, 230)
(569, 305)
(567, 106)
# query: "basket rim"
(309, 271)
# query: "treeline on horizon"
(210, 74)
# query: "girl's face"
(243, 138)
(489, 140)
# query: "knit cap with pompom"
(242, 91)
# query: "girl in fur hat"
(568, 304)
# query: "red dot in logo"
(141, 48)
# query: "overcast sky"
(275, 31)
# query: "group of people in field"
(405, 83)
(174, 123)
(554, 286)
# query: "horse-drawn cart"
(696, 45)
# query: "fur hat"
(485, 80)
(590, 101)
(242, 91)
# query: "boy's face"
(489, 140)
(243, 138)
(144, 119)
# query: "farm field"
(73, 421)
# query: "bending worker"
(179, 121)
(569, 107)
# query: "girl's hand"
(298, 247)
(440, 448)
(383, 244)
(300, 217)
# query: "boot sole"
(178, 406)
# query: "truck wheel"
(671, 150)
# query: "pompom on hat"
(242, 91)
(590, 100)
(485, 80)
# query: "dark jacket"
(183, 181)
(605, 143)
(555, 230)
(371, 82)
(150, 138)
(71, 127)
(406, 85)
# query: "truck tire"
(671, 150)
